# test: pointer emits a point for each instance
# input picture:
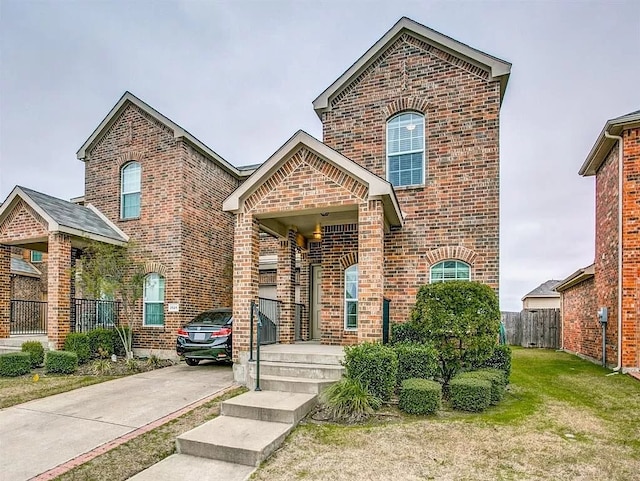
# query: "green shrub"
(348, 400)
(61, 362)
(14, 364)
(461, 319)
(494, 376)
(78, 342)
(416, 361)
(500, 359)
(469, 394)
(102, 367)
(407, 332)
(420, 396)
(375, 366)
(101, 342)
(35, 350)
(118, 347)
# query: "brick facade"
(580, 331)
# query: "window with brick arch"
(351, 298)
(450, 270)
(130, 191)
(153, 306)
(405, 149)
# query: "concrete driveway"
(39, 435)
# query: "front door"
(316, 300)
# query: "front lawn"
(562, 418)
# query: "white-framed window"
(351, 298)
(36, 256)
(153, 306)
(451, 270)
(405, 149)
(130, 191)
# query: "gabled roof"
(498, 69)
(378, 187)
(544, 290)
(603, 145)
(62, 216)
(21, 267)
(576, 278)
(178, 133)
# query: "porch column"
(370, 270)
(5, 291)
(246, 254)
(305, 331)
(59, 289)
(286, 286)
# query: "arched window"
(405, 149)
(153, 307)
(130, 191)
(450, 271)
(351, 297)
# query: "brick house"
(613, 281)
(403, 190)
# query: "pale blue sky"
(241, 77)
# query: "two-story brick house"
(403, 190)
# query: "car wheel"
(191, 361)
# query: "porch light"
(317, 234)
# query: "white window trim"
(144, 303)
(356, 300)
(424, 150)
(123, 193)
(449, 280)
(34, 261)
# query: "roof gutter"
(620, 185)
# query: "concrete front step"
(182, 466)
(306, 355)
(272, 406)
(298, 369)
(291, 384)
(234, 440)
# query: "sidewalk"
(39, 435)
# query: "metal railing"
(269, 315)
(91, 314)
(28, 317)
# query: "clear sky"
(241, 77)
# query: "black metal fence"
(28, 317)
(90, 314)
(269, 313)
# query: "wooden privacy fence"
(533, 328)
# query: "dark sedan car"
(207, 336)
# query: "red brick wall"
(459, 205)
(26, 288)
(581, 333)
(23, 223)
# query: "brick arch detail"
(416, 104)
(348, 260)
(152, 266)
(128, 157)
(451, 252)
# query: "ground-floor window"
(153, 308)
(351, 297)
(451, 270)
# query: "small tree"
(112, 271)
(461, 319)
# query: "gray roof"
(74, 216)
(544, 290)
(20, 266)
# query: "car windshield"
(212, 318)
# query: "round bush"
(500, 359)
(35, 350)
(61, 362)
(416, 361)
(494, 376)
(420, 396)
(78, 342)
(14, 364)
(469, 394)
(375, 366)
(101, 342)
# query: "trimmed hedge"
(469, 394)
(61, 362)
(500, 359)
(375, 366)
(78, 342)
(416, 361)
(420, 396)
(14, 364)
(101, 342)
(407, 332)
(35, 350)
(494, 376)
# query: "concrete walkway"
(39, 435)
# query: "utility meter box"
(603, 315)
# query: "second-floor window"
(405, 149)
(130, 191)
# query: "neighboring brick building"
(617, 257)
(402, 191)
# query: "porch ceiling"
(305, 221)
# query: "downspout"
(620, 185)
